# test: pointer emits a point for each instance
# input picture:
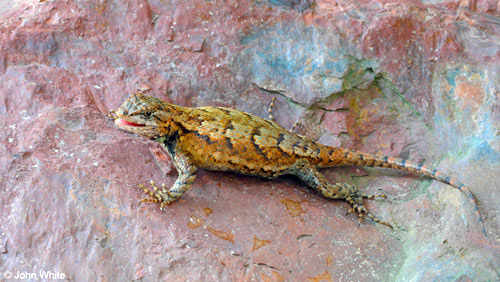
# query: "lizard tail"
(346, 157)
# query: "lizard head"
(145, 116)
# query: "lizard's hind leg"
(271, 116)
(340, 191)
(270, 110)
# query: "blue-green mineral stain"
(305, 61)
(484, 151)
(459, 126)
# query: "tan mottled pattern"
(225, 139)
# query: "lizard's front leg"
(187, 174)
(341, 191)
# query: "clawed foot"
(157, 196)
(357, 206)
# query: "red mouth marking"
(128, 123)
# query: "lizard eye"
(147, 114)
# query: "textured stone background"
(416, 79)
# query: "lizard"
(226, 139)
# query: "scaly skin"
(225, 139)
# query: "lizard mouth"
(120, 121)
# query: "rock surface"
(406, 79)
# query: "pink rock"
(405, 79)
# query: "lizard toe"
(148, 200)
(375, 196)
